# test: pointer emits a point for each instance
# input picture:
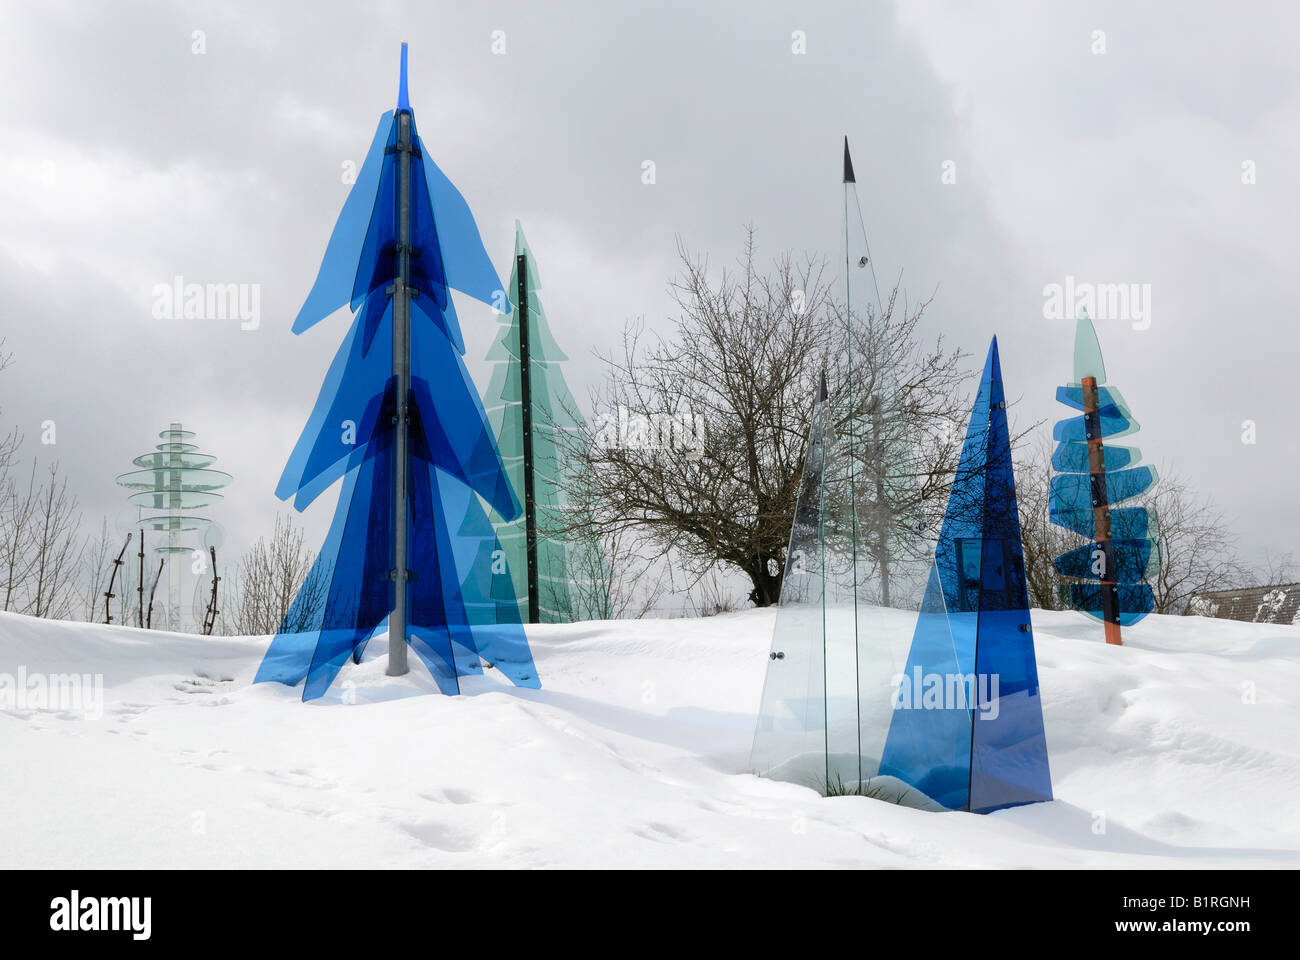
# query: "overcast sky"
(127, 159)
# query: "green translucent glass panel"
(568, 566)
(1087, 353)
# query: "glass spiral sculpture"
(170, 484)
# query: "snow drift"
(1177, 749)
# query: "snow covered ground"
(1179, 749)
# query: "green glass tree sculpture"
(537, 423)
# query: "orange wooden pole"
(1100, 508)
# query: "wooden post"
(109, 594)
(1101, 509)
(210, 615)
(148, 623)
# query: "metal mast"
(526, 396)
(850, 179)
(402, 371)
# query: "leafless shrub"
(271, 574)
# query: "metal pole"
(174, 511)
(397, 626)
(820, 413)
(1101, 509)
(140, 588)
(853, 483)
(526, 394)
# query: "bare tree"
(40, 542)
(711, 597)
(1198, 551)
(56, 527)
(1275, 568)
(612, 578)
(697, 439)
(40, 545)
(11, 441)
(271, 575)
(127, 610)
(96, 571)
(17, 513)
(1043, 541)
(229, 593)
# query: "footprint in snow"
(440, 836)
(661, 833)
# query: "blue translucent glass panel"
(1009, 749)
(1072, 395)
(461, 610)
(1125, 522)
(348, 592)
(1071, 456)
(977, 741)
(1072, 491)
(454, 242)
(1117, 566)
(1134, 600)
(928, 745)
(1114, 423)
(1124, 560)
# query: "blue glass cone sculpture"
(967, 728)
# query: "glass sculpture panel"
(461, 612)
(570, 565)
(1106, 576)
(873, 680)
(972, 739)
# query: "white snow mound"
(1178, 749)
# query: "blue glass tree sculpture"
(400, 422)
(968, 728)
(1092, 477)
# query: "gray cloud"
(126, 160)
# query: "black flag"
(848, 163)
